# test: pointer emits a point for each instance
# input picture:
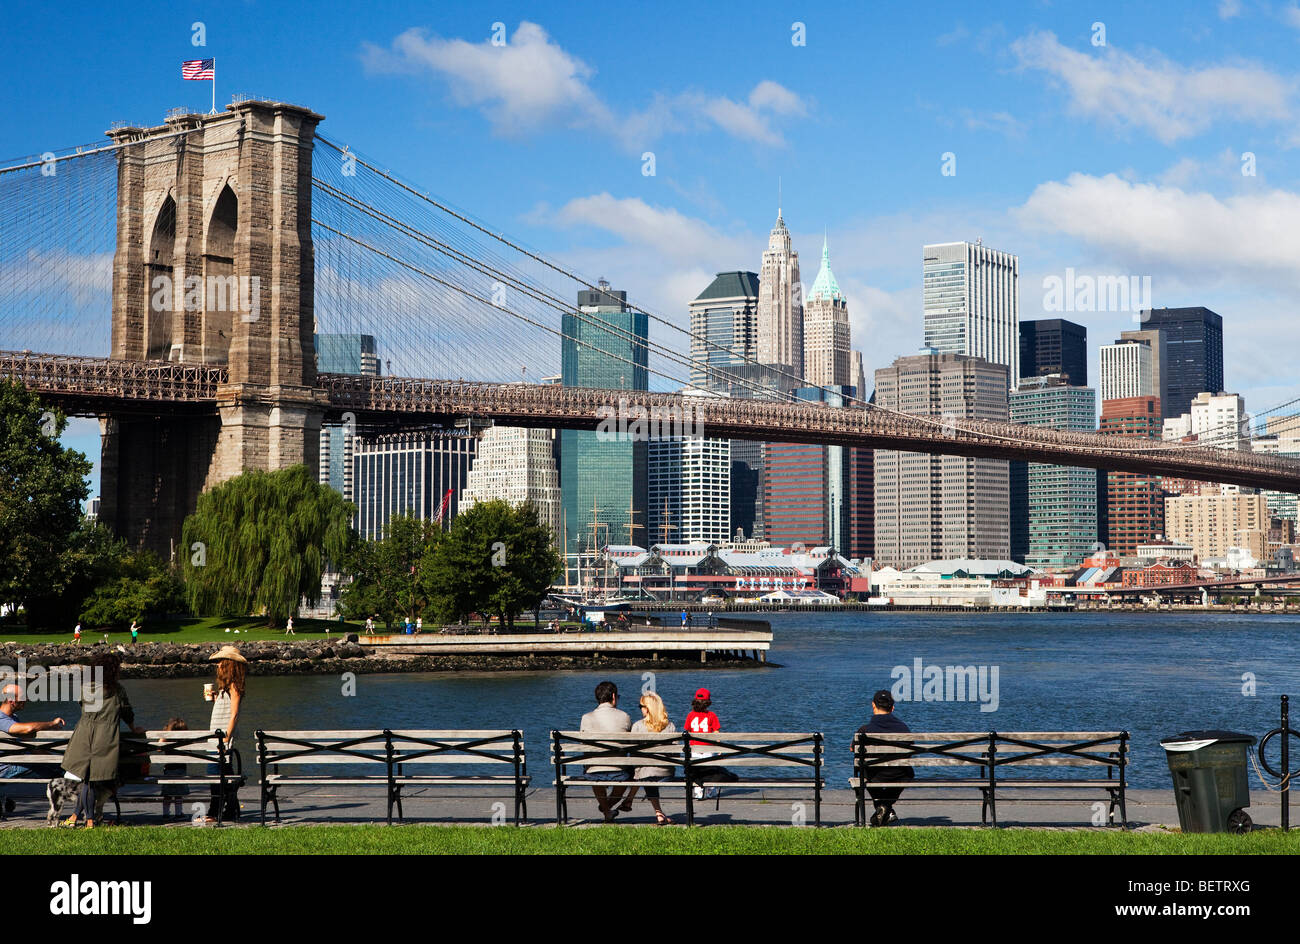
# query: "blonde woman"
(654, 720)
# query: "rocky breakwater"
(319, 657)
(175, 660)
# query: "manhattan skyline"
(1117, 160)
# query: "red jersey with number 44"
(701, 722)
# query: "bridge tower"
(214, 266)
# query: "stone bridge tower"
(214, 266)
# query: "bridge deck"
(92, 386)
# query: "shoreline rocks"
(154, 660)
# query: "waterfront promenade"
(1151, 809)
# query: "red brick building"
(1135, 502)
(1160, 574)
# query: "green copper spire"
(826, 286)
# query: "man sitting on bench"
(12, 700)
(608, 719)
(882, 721)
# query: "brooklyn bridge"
(99, 248)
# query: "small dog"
(62, 791)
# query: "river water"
(1151, 674)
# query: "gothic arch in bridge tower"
(219, 307)
(159, 265)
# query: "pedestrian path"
(1147, 809)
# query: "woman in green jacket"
(92, 753)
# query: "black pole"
(1286, 764)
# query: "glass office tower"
(602, 477)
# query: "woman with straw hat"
(226, 698)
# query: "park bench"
(779, 760)
(991, 761)
(204, 754)
(392, 759)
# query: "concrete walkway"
(1147, 809)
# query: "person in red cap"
(703, 721)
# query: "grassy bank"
(720, 840)
(209, 629)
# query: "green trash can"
(1210, 780)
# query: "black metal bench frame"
(1044, 749)
(600, 748)
(178, 747)
(393, 758)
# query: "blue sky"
(1117, 159)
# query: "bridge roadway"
(96, 386)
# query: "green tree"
(143, 587)
(497, 558)
(259, 542)
(384, 572)
(42, 488)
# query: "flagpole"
(214, 86)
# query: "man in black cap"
(883, 720)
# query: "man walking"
(883, 720)
(607, 719)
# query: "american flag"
(199, 69)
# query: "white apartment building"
(1126, 370)
(516, 465)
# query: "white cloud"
(1229, 8)
(1246, 236)
(531, 82)
(1291, 15)
(1169, 100)
(999, 121)
(528, 82)
(659, 230)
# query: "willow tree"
(259, 543)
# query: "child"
(76, 635)
(174, 791)
(703, 721)
(135, 631)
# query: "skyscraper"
(1054, 346)
(342, 354)
(516, 465)
(930, 507)
(1192, 339)
(1151, 338)
(826, 330)
(1126, 370)
(780, 306)
(1135, 511)
(409, 473)
(858, 376)
(724, 329)
(690, 491)
(971, 295)
(602, 476)
(1060, 502)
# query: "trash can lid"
(1195, 740)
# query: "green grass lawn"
(729, 840)
(191, 630)
(210, 629)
